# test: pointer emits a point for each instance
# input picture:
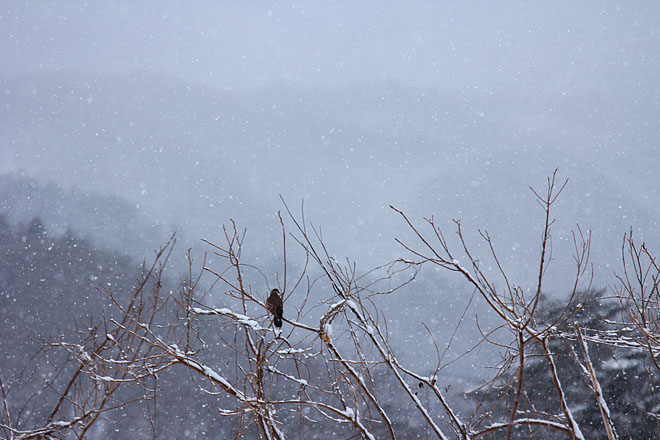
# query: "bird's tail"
(277, 321)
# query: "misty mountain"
(106, 220)
(189, 158)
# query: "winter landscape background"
(123, 123)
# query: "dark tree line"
(629, 384)
(52, 290)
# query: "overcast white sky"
(530, 46)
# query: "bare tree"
(516, 311)
(323, 366)
(638, 290)
(111, 354)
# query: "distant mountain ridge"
(105, 220)
(192, 157)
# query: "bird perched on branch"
(275, 307)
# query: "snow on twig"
(241, 319)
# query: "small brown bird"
(275, 306)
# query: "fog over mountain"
(189, 158)
(191, 115)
